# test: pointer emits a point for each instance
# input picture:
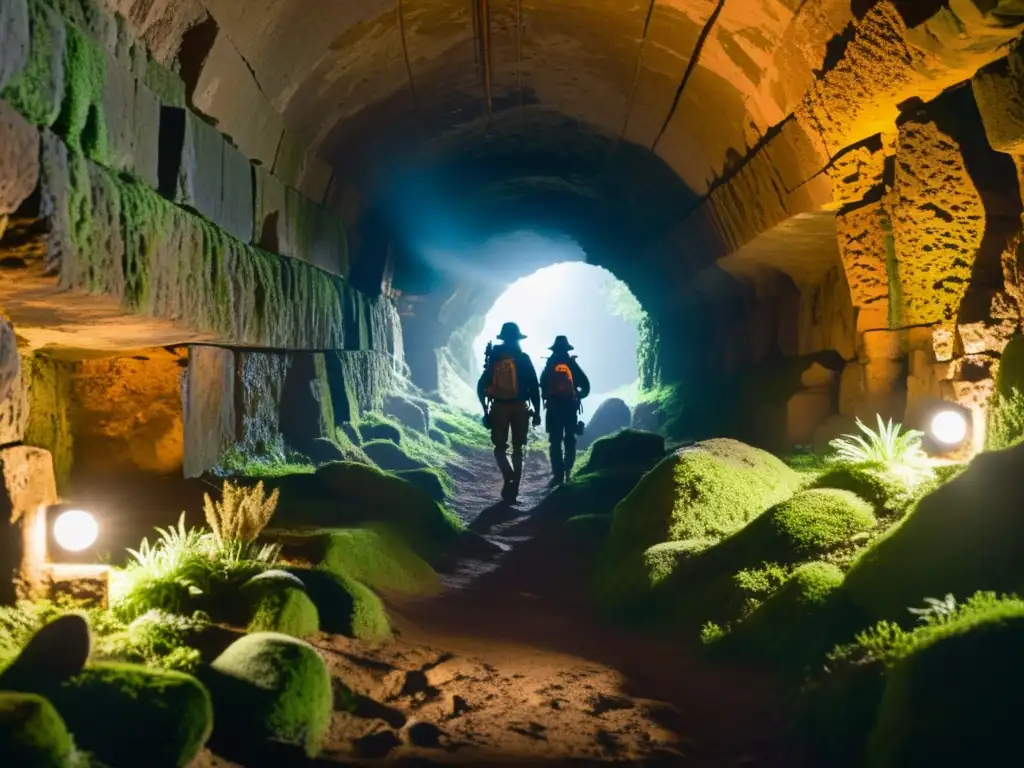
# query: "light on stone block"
(75, 530)
(949, 427)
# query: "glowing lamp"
(949, 427)
(75, 530)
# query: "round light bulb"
(75, 530)
(949, 427)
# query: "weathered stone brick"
(14, 39)
(27, 487)
(19, 159)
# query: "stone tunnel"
(214, 214)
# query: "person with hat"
(509, 383)
(563, 386)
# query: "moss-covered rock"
(798, 624)
(380, 431)
(956, 701)
(1006, 410)
(889, 494)
(966, 536)
(379, 558)
(268, 686)
(345, 606)
(429, 480)
(32, 733)
(119, 712)
(593, 493)
(347, 494)
(387, 455)
(278, 607)
(439, 437)
(815, 522)
(54, 654)
(704, 491)
(626, 448)
(410, 413)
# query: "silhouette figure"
(564, 385)
(509, 385)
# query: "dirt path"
(509, 665)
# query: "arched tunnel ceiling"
(358, 78)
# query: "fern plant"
(238, 519)
(936, 610)
(891, 446)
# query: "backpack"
(504, 382)
(560, 382)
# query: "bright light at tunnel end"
(949, 427)
(75, 530)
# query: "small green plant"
(238, 519)
(158, 639)
(710, 633)
(936, 610)
(890, 445)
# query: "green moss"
(386, 455)
(380, 558)
(464, 431)
(1006, 409)
(593, 493)
(816, 522)
(965, 536)
(49, 424)
(106, 701)
(271, 686)
(347, 494)
(32, 733)
(167, 86)
(798, 624)
(706, 491)
(841, 705)
(346, 607)
(889, 494)
(374, 429)
(81, 122)
(626, 448)
(430, 480)
(31, 92)
(146, 223)
(350, 450)
(954, 702)
(234, 463)
(284, 609)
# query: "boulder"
(955, 700)
(31, 731)
(119, 711)
(346, 494)
(611, 416)
(706, 490)
(344, 605)
(388, 456)
(964, 537)
(380, 558)
(646, 417)
(276, 576)
(55, 654)
(380, 431)
(998, 94)
(19, 159)
(429, 480)
(407, 413)
(627, 448)
(275, 606)
(269, 686)
(324, 451)
(815, 522)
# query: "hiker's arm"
(532, 385)
(481, 387)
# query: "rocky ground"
(509, 665)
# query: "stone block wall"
(143, 202)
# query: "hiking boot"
(510, 491)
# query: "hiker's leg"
(499, 437)
(555, 446)
(520, 431)
(570, 447)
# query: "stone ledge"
(107, 249)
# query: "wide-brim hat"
(561, 344)
(511, 332)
